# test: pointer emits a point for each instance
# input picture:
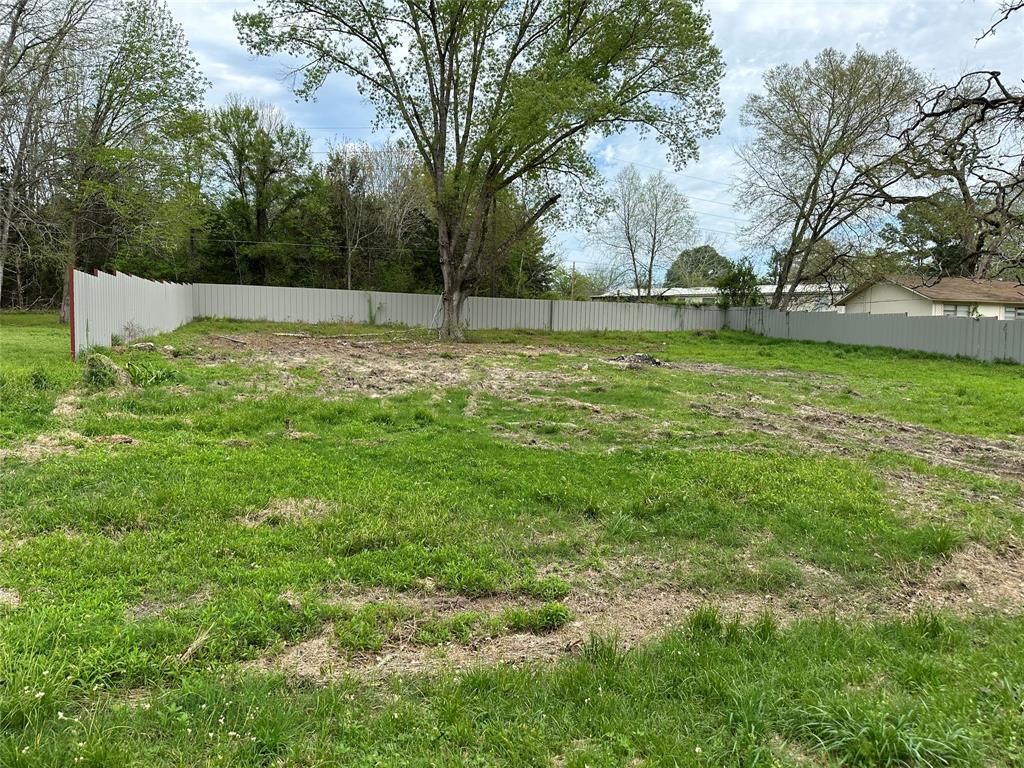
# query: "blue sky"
(937, 36)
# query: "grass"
(511, 505)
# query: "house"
(807, 297)
(949, 296)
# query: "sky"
(937, 36)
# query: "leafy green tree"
(262, 164)
(496, 94)
(739, 286)
(928, 234)
(702, 265)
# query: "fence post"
(551, 314)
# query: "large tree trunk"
(454, 295)
(451, 320)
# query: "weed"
(100, 372)
(39, 379)
(861, 735)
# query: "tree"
(376, 198)
(702, 265)
(824, 146)
(928, 234)
(966, 143)
(739, 286)
(1006, 9)
(125, 126)
(40, 43)
(349, 172)
(497, 93)
(649, 222)
(261, 161)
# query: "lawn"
(269, 545)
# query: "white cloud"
(937, 36)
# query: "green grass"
(123, 555)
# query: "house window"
(956, 310)
(1015, 313)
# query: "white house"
(950, 296)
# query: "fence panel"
(109, 305)
(983, 338)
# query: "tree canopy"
(502, 94)
(700, 265)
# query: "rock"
(145, 346)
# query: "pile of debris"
(638, 359)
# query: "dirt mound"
(287, 511)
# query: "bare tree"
(824, 145)
(1006, 9)
(968, 141)
(350, 176)
(39, 40)
(649, 222)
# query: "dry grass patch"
(287, 511)
(61, 442)
(972, 578)
(152, 608)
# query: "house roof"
(958, 289)
(707, 291)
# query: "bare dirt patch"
(972, 577)
(9, 597)
(972, 580)
(386, 368)
(286, 511)
(61, 442)
(847, 434)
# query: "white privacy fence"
(983, 338)
(105, 306)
